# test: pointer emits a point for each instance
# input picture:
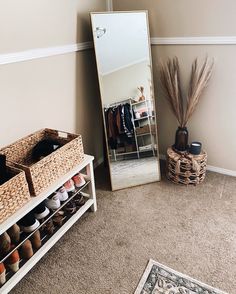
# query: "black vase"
(181, 139)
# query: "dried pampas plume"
(170, 79)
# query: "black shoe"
(29, 223)
(79, 199)
(41, 211)
(70, 207)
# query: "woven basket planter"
(13, 194)
(43, 173)
(185, 168)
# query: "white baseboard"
(98, 162)
(220, 170)
(218, 40)
(215, 169)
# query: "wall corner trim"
(162, 156)
(98, 162)
(217, 40)
(43, 52)
(109, 5)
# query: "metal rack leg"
(92, 191)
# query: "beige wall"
(116, 88)
(62, 91)
(170, 18)
(30, 24)
(214, 122)
(59, 92)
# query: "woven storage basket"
(145, 129)
(13, 194)
(185, 168)
(43, 173)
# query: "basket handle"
(62, 134)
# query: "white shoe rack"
(49, 240)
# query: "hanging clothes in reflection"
(119, 123)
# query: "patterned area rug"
(159, 279)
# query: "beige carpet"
(190, 229)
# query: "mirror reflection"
(125, 76)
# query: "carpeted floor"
(190, 229)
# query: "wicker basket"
(185, 168)
(145, 129)
(13, 194)
(43, 173)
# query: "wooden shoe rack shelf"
(49, 240)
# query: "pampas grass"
(170, 79)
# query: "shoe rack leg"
(92, 191)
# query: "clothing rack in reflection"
(138, 152)
(115, 104)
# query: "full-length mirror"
(124, 64)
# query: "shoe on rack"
(36, 240)
(70, 207)
(41, 211)
(79, 199)
(49, 227)
(78, 180)
(53, 201)
(14, 233)
(62, 194)
(27, 250)
(5, 244)
(70, 186)
(13, 261)
(2, 274)
(29, 223)
(58, 218)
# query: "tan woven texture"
(43, 173)
(185, 168)
(13, 194)
(145, 129)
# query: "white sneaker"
(69, 186)
(78, 180)
(53, 202)
(62, 194)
